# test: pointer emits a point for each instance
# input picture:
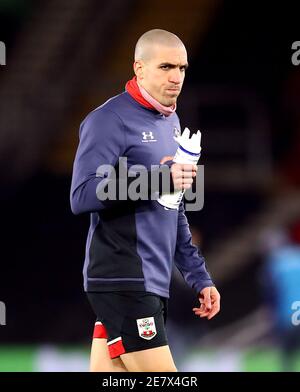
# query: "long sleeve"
(188, 258)
(101, 142)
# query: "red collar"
(133, 89)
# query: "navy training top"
(131, 245)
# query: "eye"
(182, 69)
(165, 67)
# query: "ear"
(138, 67)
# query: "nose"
(175, 76)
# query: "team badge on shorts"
(146, 327)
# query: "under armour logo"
(148, 137)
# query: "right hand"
(182, 174)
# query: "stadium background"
(242, 90)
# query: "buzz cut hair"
(145, 44)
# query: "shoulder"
(108, 110)
(103, 120)
(174, 121)
(175, 118)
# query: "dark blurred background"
(242, 90)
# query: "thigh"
(100, 360)
(157, 359)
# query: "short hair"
(155, 37)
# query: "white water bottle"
(188, 152)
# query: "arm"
(188, 259)
(191, 264)
(102, 142)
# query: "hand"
(209, 299)
(182, 174)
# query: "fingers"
(209, 303)
(183, 170)
(183, 183)
(204, 312)
(188, 167)
(201, 312)
(183, 174)
(214, 310)
(206, 298)
(216, 301)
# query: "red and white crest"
(146, 327)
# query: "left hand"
(209, 299)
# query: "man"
(131, 245)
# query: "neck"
(166, 110)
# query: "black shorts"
(129, 320)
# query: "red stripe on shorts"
(116, 349)
(99, 332)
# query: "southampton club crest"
(146, 327)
